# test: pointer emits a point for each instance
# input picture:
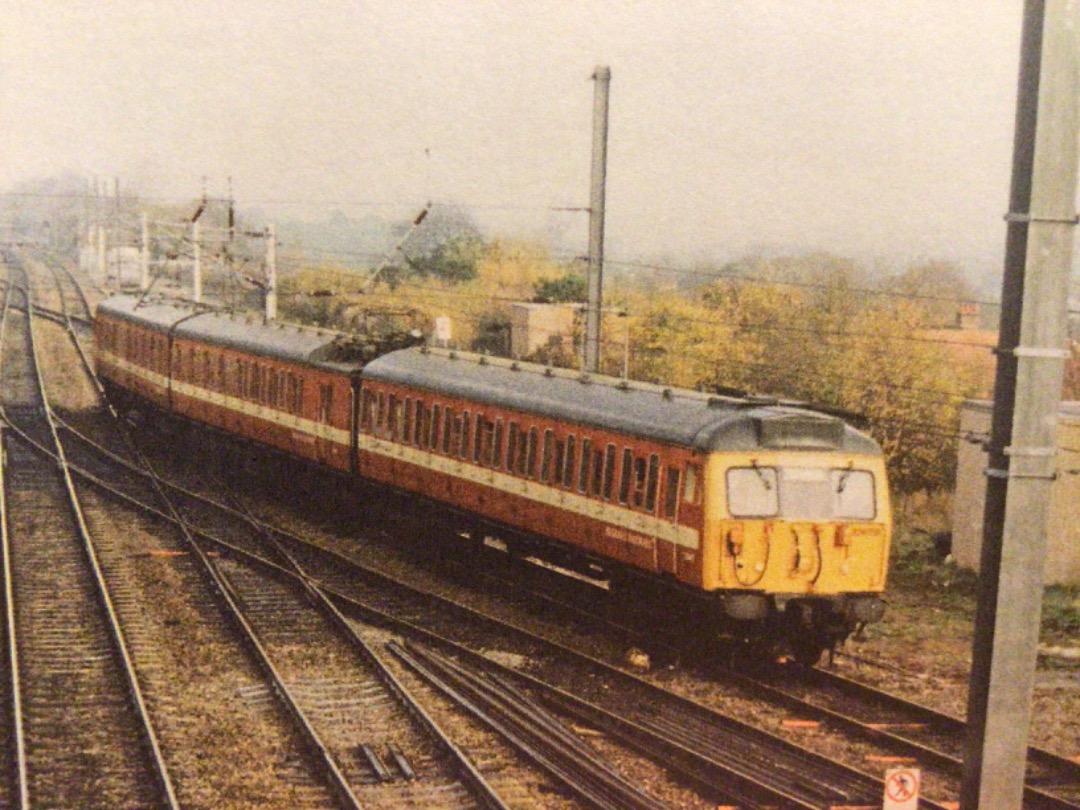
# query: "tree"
(941, 287)
(455, 260)
(568, 289)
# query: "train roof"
(667, 415)
(289, 343)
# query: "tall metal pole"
(103, 271)
(1027, 396)
(144, 254)
(271, 273)
(196, 274)
(593, 312)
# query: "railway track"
(815, 699)
(902, 731)
(80, 732)
(370, 738)
(855, 789)
(410, 613)
(187, 729)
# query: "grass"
(922, 573)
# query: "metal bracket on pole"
(1018, 217)
(1041, 353)
(1031, 452)
(991, 472)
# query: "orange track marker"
(800, 724)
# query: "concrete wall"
(533, 326)
(1063, 549)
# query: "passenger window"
(448, 422)
(586, 454)
(624, 478)
(558, 460)
(478, 439)
(498, 448)
(690, 485)
(568, 473)
(455, 437)
(597, 472)
(512, 449)
(436, 421)
(639, 481)
(671, 493)
(392, 425)
(409, 419)
(518, 457)
(365, 410)
(466, 423)
(418, 422)
(653, 484)
(326, 401)
(609, 471)
(531, 460)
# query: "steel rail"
(466, 769)
(949, 723)
(20, 776)
(1035, 797)
(535, 733)
(471, 776)
(146, 728)
(377, 616)
(480, 788)
(337, 781)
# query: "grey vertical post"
(593, 312)
(103, 271)
(1027, 394)
(271, 273)
(196, 264)
(144, 255)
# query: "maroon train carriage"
(288, 387)
(777, 516)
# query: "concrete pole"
(594, 310)
(196, 275)
(1027, 397)
(144, 255)
(102, 269)
(271, 273)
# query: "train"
(771, 519)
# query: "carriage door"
(690, 514)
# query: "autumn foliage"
(813, 328)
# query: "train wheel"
(808, 649)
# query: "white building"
(1063, 542)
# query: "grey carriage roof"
(289, 343)
(669, 416)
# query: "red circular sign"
(902, 786)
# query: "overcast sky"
(857, 126)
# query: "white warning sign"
(442, 329)
(902, 789)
